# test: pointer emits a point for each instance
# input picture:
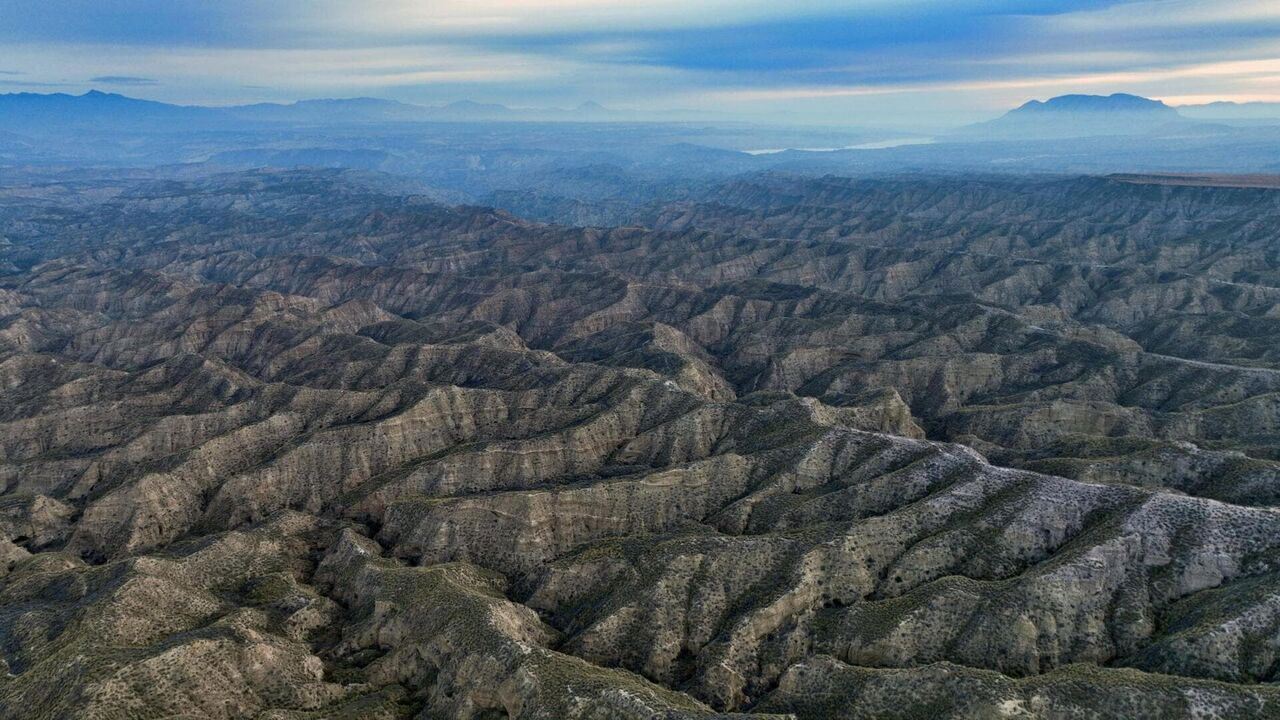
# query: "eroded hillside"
(285, 445)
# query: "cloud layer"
(880, 61)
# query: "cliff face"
(274, 445)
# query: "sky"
(869, 63)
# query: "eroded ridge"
(389, 459)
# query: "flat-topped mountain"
(1114, 103)
(1070, 116)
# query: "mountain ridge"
(35, 110)
(1228, 110)
(279, 444)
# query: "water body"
(877, 145)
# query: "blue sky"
(874, 62)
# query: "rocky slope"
(280, 445)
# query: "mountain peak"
(98, 95)
(471, 104)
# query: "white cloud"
(421, 72)
(429, 50)
(526, 17)
(1237, 80)
(300, 68)
(1167, 14)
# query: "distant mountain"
(35, 112)
(330, 110)
(1111, 104)
(592, 110)
(1070, 116)
(470, 110)
(27, 112)
(1232, 111)
(364, 110)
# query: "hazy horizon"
(920, 63)
(610, 112)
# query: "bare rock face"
(212, 631)
(825, 687)
(450, 630)
(804, 448)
